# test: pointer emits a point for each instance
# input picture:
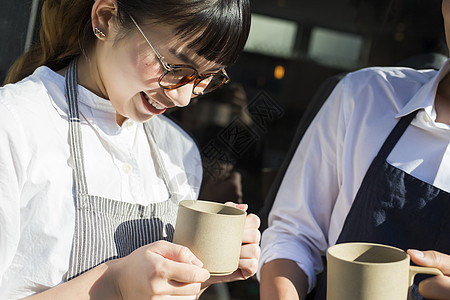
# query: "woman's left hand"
(436, 287)
(250, 250)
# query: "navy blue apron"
(397, 209)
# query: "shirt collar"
(424, 98)
(96, 110)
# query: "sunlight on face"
(130, 71)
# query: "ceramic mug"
(213, 232)
(365, 271)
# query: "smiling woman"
(92, 172)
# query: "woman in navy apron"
(125, 61)
(394, 124)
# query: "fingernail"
(197, 262)
(416, 253)
(242, 206)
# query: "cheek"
(149, 71)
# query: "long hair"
(215, 29)
(65, 33)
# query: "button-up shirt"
(330, 162)
(37, 212)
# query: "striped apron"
(106, 229)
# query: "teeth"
(154, 104)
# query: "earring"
(99, 33)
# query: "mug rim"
(331, 249)
(239, 212)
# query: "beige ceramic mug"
(213, 232)
(365, 271)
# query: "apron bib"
(397, 209)
(106, 229)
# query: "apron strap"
(75, 128)
(160, 161)
(76, 138)
(395, 135)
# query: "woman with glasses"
(91, 172)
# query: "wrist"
(106, 287)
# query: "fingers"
(248, 262)
(183, 273)
(175, 252)
(250, 250)
(252, 221)
(437, 287)
(173, 288)
(431, 259)
(158, 270)
(180, 264)
(248, 268)
(242, 206)
(251, 233)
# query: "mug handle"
(414, 270)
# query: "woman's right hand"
(157, 270)
(160, 270)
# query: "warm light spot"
(279, 72)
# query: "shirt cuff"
(310, 262)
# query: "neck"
(89, 76)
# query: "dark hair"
(215, 29)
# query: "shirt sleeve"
(300, 217)
(12, 146)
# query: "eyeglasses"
(177, 75)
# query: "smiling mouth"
(154, 104)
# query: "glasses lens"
(177, 77)
(210, 83)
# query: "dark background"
(392, 32)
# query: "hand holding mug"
(369, 271)
(250, 250)
(437, 287)
(160, 269)
(247, 252)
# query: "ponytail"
(65, 33)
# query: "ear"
(103, 14)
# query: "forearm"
(97, 283)
(282, 279)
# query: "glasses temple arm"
(160, 57)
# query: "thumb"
(431, 259)
(242, 206)
(176, 253)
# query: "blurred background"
(244, 131)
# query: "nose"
(181, 96)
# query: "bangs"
(214, 29)
(218, 35)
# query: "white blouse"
(327, 169)
(37, 214)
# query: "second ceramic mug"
(365, 271)
(213, 232)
